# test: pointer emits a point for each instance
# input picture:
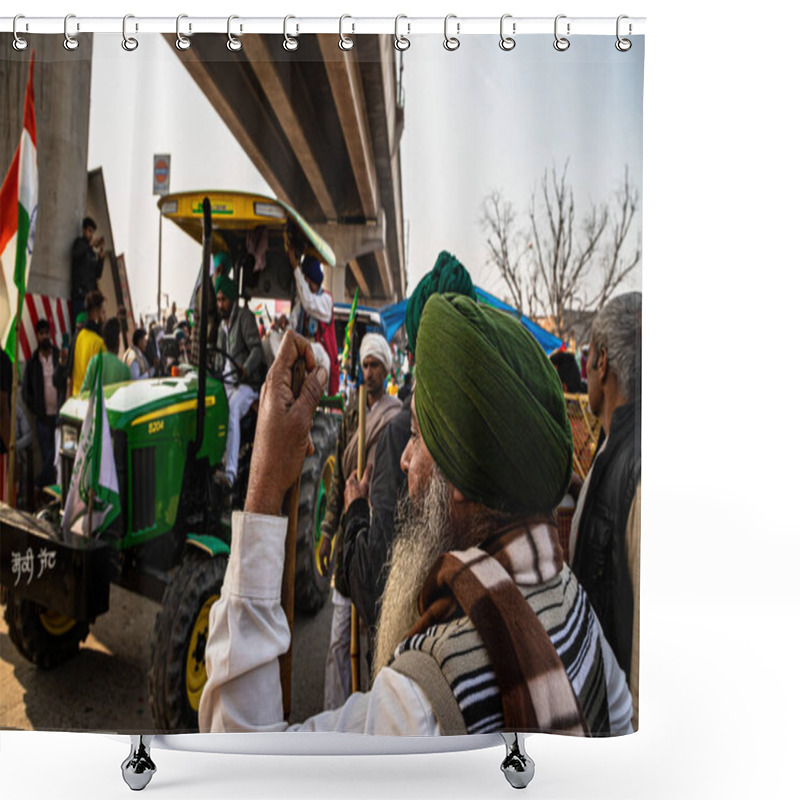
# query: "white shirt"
(315, 305)
(248, 632)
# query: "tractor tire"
(177, 657)
(311, 587)
(45, 638)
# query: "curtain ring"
(70, 42)
(507, 42)
(129, 43)
(289, 42)
(182, 42)
(561, 43)
(234, 44)
(451, 43)
(623, 45)
(19, 43)
(345, 42)
(401, 42)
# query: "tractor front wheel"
(44, 637)
(177, 660)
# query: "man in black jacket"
(87, 264)
(44, 386)
(606, 528)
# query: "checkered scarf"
(482, 583)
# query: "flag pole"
(355, 627)
(12, 439)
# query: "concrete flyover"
(323, 128)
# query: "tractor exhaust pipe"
(202, 367)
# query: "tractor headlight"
(69, 439)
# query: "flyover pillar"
(61, 85)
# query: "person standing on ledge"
(88, 257)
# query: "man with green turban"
(448, 275)
(370, 505)
(482, 627)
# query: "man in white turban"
(376, 362)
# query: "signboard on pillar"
(161, 173)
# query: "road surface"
(105, 687)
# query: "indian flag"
(18, 203)
(94, 485)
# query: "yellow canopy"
(238, 211)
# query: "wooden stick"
(355, 638)
(290, 507)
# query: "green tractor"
(171, 539)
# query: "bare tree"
(551, 267)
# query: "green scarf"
(490, 407)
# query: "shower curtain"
(389, 199)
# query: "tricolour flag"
(18, 203)
(94, 470)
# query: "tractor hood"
(135, 402)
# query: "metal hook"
(129, 43)
(234, 44)
(451, 42)
(19, 43)
(401, 42)
(70, 42)
(289, 42)
(561, 43)
(182, 42)
(623, 45)
(345, 42)
(507, 42)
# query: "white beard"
(424, 533)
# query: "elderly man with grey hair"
(605, 535)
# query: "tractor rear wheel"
(177, 659)
(311, 587)
(44, 637)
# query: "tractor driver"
(243, 368)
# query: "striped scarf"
(482, 583)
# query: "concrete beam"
(348, 94)
(359, 276)
(264, 69)
(351, 241)
(229, 108)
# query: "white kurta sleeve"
(317, 305)
(248, 632)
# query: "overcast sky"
(476, 120)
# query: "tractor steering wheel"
(223, 376)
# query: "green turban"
(490, 407)
(225, 285)
(448, 275)
(222, 261)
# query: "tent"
(394, 317)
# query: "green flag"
(94, 470)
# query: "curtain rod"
(294, 25)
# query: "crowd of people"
(478, 619)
